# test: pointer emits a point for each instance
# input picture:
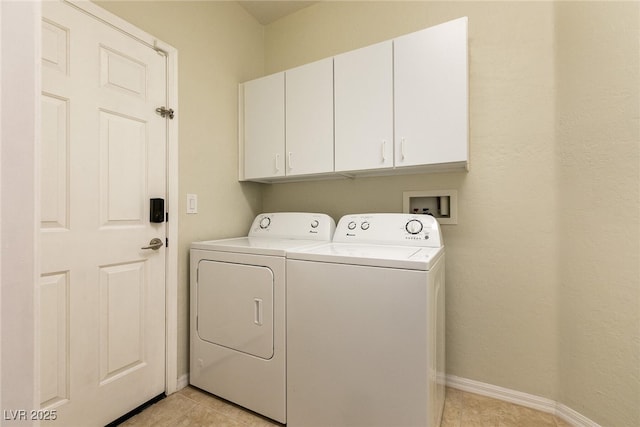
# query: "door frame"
(171, 252)
(20, 59)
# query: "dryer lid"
(255, 245)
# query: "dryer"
(237, 320)
(365, 325)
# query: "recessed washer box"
(441, 204)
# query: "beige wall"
(543, 282)
(219, 45)
(501, 257)
(598, 159)
(543, 272)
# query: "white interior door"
(102, 297)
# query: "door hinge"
(158, 49)
(166, 242)
(164, 112)
(166, 217)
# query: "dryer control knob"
(315, 223)
(364, 225)
(265, 222)
(413, 227)
(351, 225)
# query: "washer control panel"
(293, 225)
(414, 226)
(398, 229)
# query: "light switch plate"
(192, 203)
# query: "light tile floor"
(191, 407)
(462, 409)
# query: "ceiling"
(268, 11)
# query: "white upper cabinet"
(309, 118)
(264, 131)
(431, 96)
(364, 108)
(397, 106)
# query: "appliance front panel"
(357, 346)
(235, 306)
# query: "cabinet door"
(364, 108)
(264, 127)
(431, 95)
(309, 118)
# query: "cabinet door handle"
(290, 163)
(277, 162)
(384, 150)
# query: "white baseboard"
(519, 398)
(574, 418)
(183, 381)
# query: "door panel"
(235, 306)
(55, 47)
(102, 297)
(121, 73)
(54, 172)
(54, 343)
(123, 169)
(122, 338)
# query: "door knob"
(154, 244)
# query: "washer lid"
(255, 245)
(407, 257)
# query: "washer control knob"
(351, 225)
(365, 225)
(315, 223)
(414, 226)
(265, 222)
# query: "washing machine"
(237, 320)
(365, 325)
